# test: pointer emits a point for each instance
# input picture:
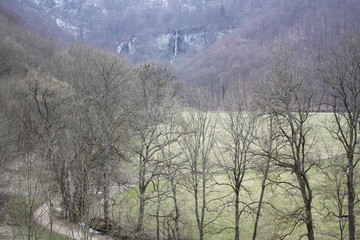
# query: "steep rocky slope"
(143, 29)
(214, 42)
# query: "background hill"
(212, 42)
(308, 28)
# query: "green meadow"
(281, 212)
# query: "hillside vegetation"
(309, 28)
(263, 144)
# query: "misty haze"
(179, 119)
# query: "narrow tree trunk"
(237, 214)
(263, 187)
(342, 226)
(156, 186)
(84, 193)
(142, 189)
(307, 200)
(203, 207)
(177, 211)
(201, 233)
(158, 216)
(106, 171)
(139, 225)
(309, 222)
(351, 198)
(65, 191)
(197, 214)
(106, 193)
(265, 176)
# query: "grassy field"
(276, 218)
(282, 202)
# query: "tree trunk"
(263, 186)
(307, 199)
(199, 215)
(139, 225)
(106, 171)
(201, 233)
(351, 198)
(158, 216)
(265, 176)
(142, 189)
(237, 215)
(309, 222)
(197, 211)
(65, 192)
(203, 207)
(177, 212)
(106, 193)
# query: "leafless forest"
(253, 137)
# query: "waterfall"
(174, 58)
(176, 43)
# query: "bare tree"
(99, 104)
(27, 189)
(171, 157)
(157, 91)
(83, 148)
(340, 75)
(106, 87)
(166, 183)
(40, 133)
(197, 145)
(334, 193)
(41, 114)
(266, 147)
(287, 96)
(240, 129)
(84, 152)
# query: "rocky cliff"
(142, 29)
(170, 45)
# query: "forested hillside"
(215, 41)
(252, 135)
(308, 28)
(147, 29)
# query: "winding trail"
(69, 230)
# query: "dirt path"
(69, 230)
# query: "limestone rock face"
(142, 29)
(170, 45)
